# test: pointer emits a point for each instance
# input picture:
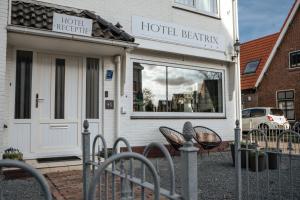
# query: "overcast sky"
(258, 18)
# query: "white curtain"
(208, 5)
(186, 2)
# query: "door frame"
(33, 149)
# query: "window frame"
(196, 10)
(292, 99)
(251, 61)
(179, 115)
(15, 114)
(298, 65)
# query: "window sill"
(294, 68)
(181, 116)
(194, 10)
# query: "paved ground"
(216, 180)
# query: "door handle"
(37, 100)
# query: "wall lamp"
(237, 49)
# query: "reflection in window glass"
(186, 2)
(251, 67)
(285, 101)
(92, 88)
(295, 59)
(209, 6)
(59, 89)
(194, 90)
(170, 89)
(23, 85)
(257, 112)
(149, 88)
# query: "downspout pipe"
(117, 60)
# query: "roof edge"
(38, 32)
(263, 37)
(278, 42)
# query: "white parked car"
(264, 118)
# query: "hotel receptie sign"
(174, 33)
(72, 24)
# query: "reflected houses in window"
(149, 88)
(172, 89)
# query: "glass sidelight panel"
(92, 88)
(59, 89)
(23, 85)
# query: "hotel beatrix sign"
(174, 33)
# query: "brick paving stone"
(68, 186)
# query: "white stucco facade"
(3, 73)
(139, 128)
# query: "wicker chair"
(174, 138)
(206, 138)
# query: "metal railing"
(272, 137)
(116, 172)
(29, 169)
(268, 158)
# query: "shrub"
(13, 154)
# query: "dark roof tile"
(38, 15)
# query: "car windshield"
(276, 112)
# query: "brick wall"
(279, 76)
(3, 91)
(249, 99)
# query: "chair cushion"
(176, 138)
(206, 137)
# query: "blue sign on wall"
(109, 75)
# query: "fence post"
(86, 159)
(189, 165)
(238, 169)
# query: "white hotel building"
(163, 63)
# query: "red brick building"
(270, 68)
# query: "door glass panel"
(92, 88)
(23, 85)
(59, 89)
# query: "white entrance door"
(57, 94)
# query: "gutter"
(37, 32)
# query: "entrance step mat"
(58, 159)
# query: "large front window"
(159, 88)
(207, 6)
